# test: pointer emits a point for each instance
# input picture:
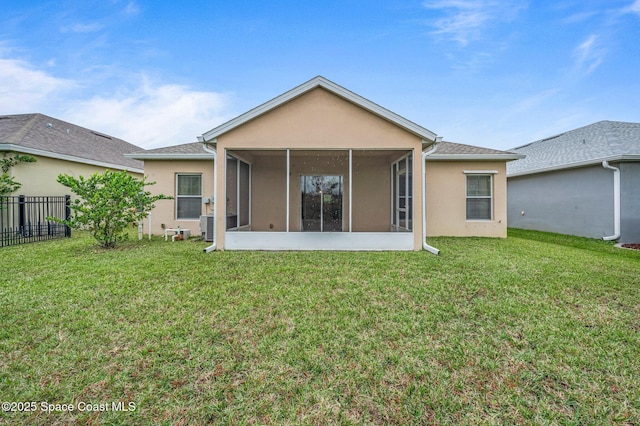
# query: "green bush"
(108, 204)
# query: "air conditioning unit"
(206, 227)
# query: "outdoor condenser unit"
(206, 227)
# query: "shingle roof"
(604, 140)
(459, 151)
(445, 151)
(193, 151)
(39, 134)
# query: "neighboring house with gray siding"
(582, 182)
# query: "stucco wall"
(575, 201)
(39, 178)
(268, 190)
(446, 199)
(629, 202)
(318, 120)
(372, 193)
(164, 174)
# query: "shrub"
(107, 204)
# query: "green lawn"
(537, 328)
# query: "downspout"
(616, 202)
(212, 247)
(426, 246)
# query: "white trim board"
(347, 241)
(170, 156)
(65, 157)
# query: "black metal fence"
(24, 219)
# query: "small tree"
(108, 204)
(7, 183)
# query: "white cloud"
(465, 20)
(534, 101)
(579, 17)
(588, 55)
(91, 27)
(144, 113)
(152, 115)
(131, 8)
(635, 7)
(25, 90)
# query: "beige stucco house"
(320, 167)
(60, 148)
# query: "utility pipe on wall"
(426, 246)
(616, 202)
(212, 247)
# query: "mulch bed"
(631, 246)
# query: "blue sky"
(493, 73)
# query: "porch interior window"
(321, 203)
(402, 194)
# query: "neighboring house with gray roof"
(320, 167)
(582, 182)
(60, 148)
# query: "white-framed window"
(479, 196)
(188, 196)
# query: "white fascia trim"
(33, 151)
(597, 162)
(170, 156)
(331, 87)
(476, 157)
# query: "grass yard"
(535, 329)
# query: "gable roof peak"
(315, 82)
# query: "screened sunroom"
(333, 199)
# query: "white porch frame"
(395, 197)
(239, 160)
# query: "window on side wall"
(188, 196)
(479, 196)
